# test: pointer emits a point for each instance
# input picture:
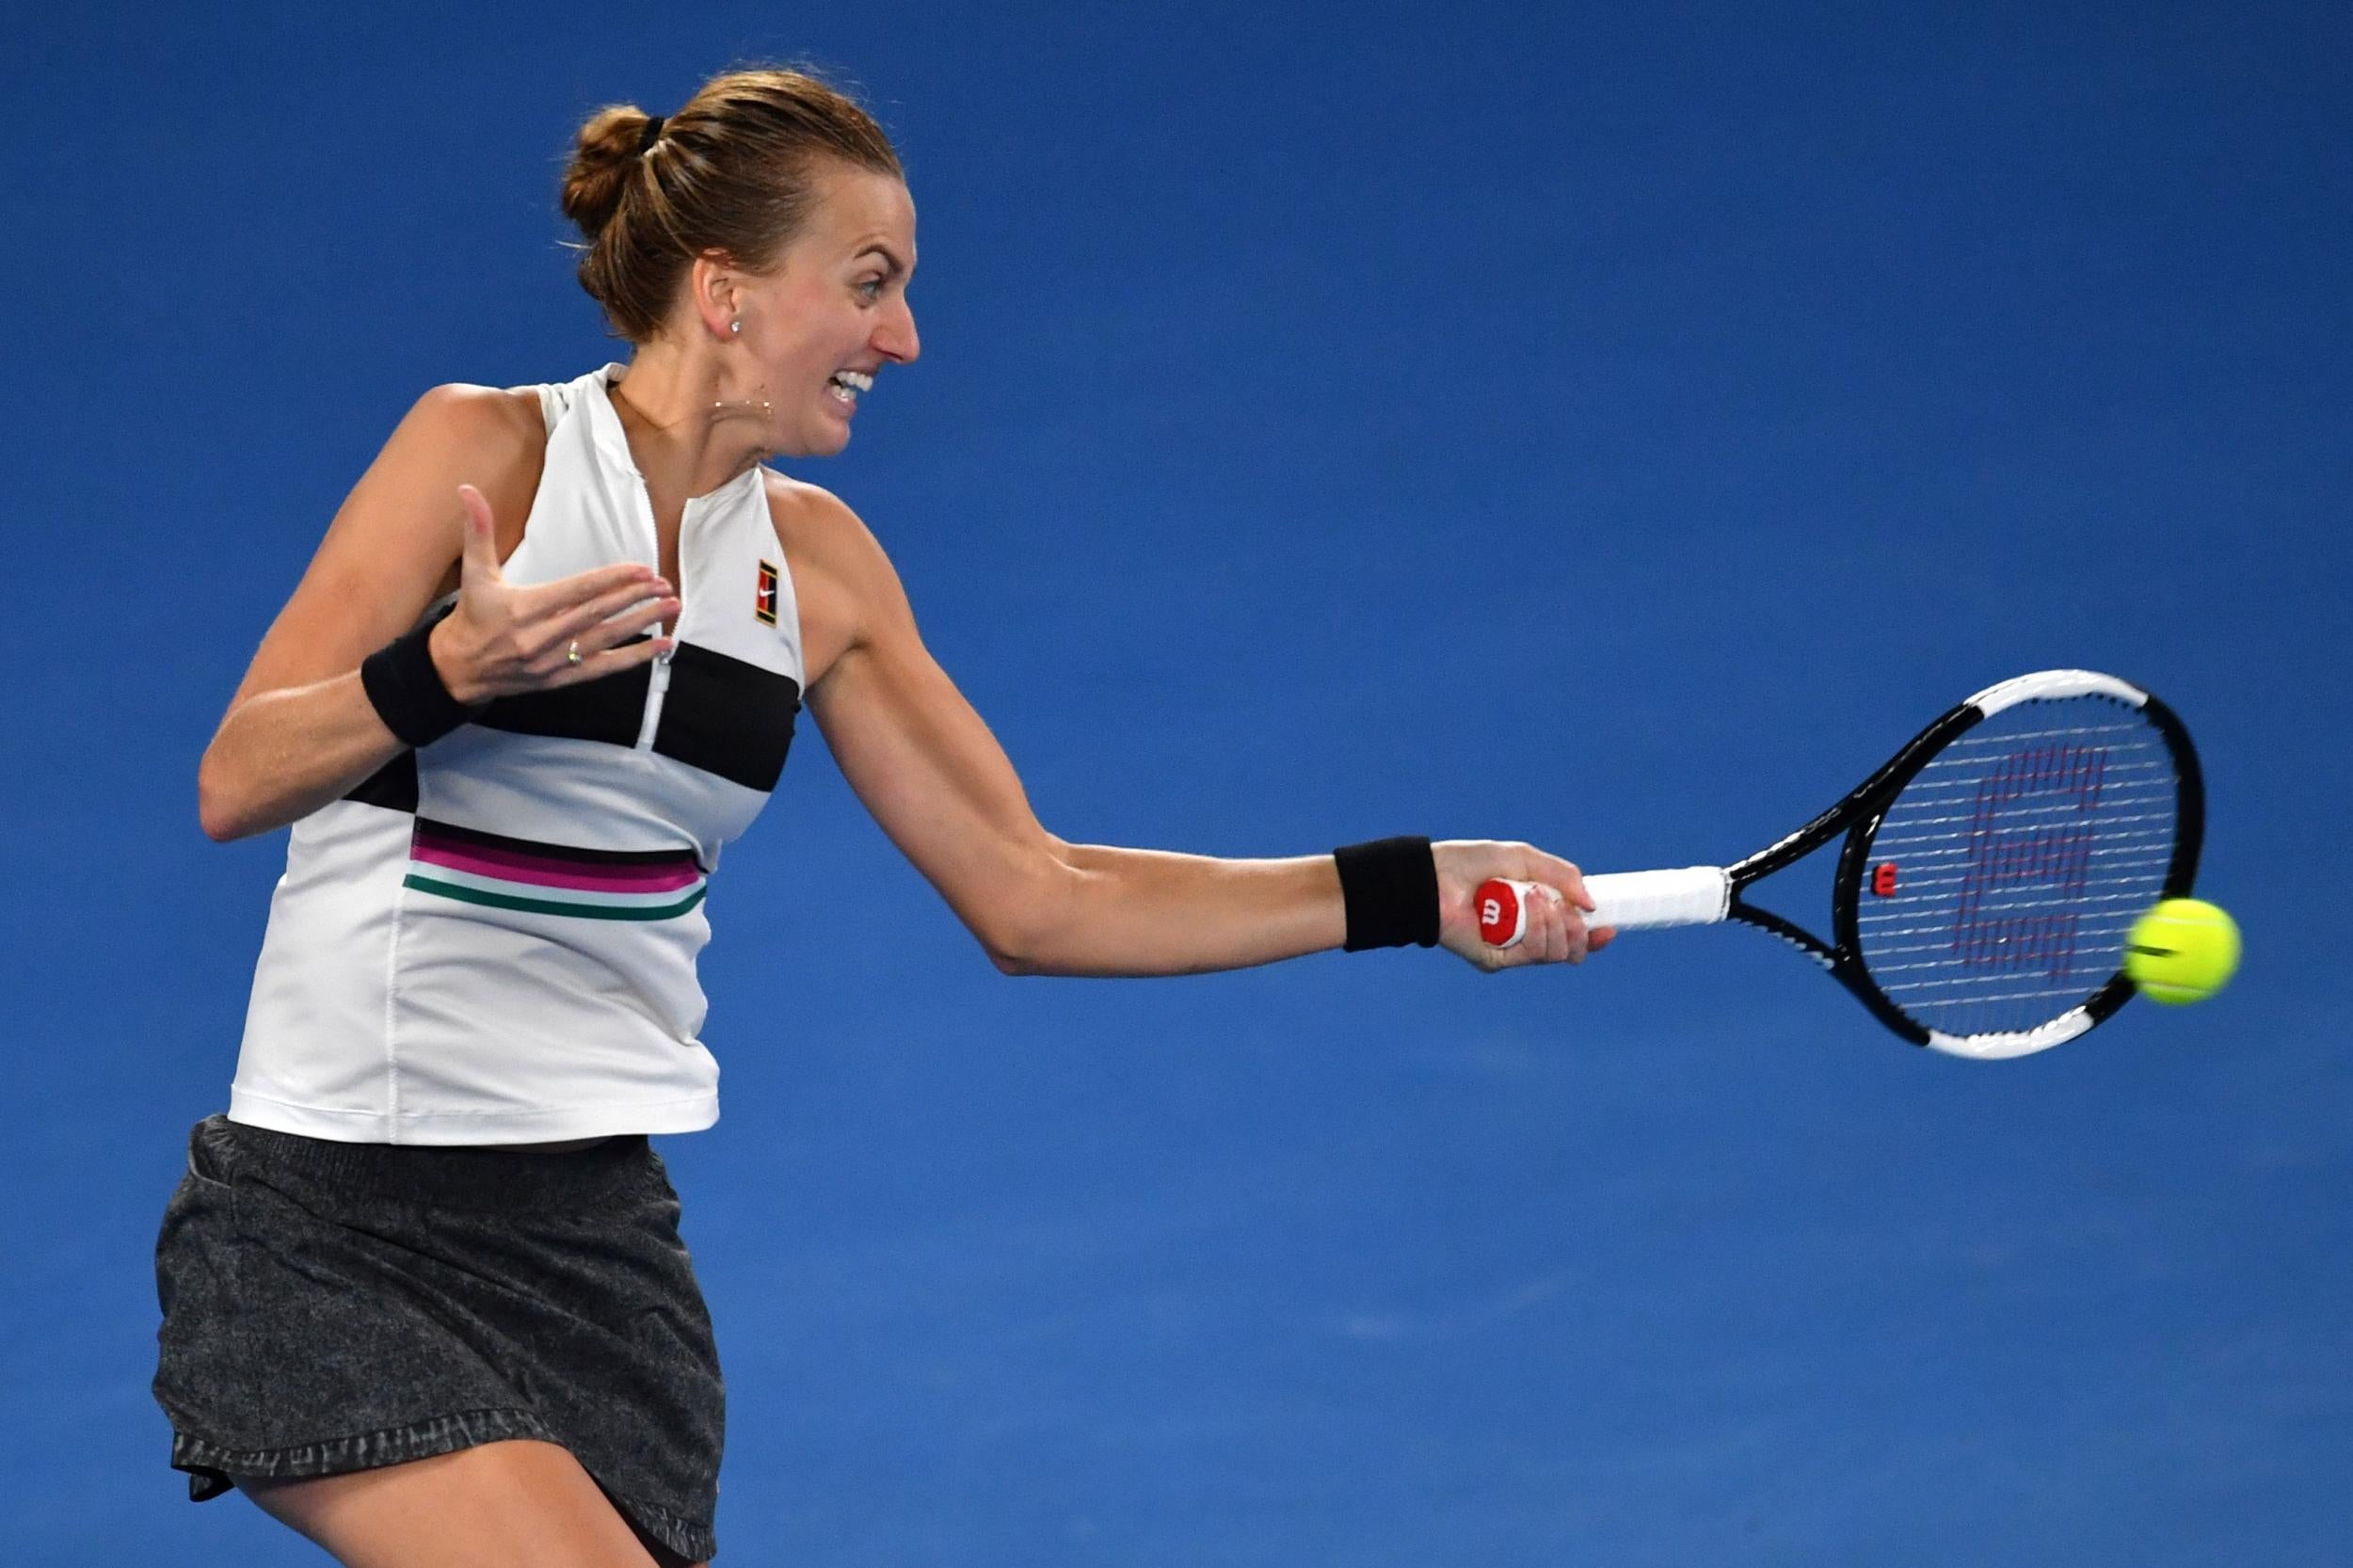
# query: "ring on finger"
(571, 655)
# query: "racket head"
(1981, 900)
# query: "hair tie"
(652, 135)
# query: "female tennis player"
(425, 1297)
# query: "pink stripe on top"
(509, 867)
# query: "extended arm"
(1147, 911)
(938, 784)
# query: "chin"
(826, 441)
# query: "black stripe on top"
(729, 716)
(723, 714)
(393, 786)
(608, 709)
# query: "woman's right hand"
(502, 640)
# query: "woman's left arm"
(927, 768)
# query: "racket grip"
(1630, 901)
(1638, 901)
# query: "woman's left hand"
(1555, 924)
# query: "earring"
(735, 327)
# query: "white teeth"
(852, 378)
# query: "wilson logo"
(2031, 832)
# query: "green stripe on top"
(552, 907)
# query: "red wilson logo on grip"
(1498, 912)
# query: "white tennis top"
(492, 940)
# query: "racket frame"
(1859, 815)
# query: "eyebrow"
(889, 259)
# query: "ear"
(715, 285)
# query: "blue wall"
(1609, 426)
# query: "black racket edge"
(2189, 837)
(1857, 816)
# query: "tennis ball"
(2185, 950)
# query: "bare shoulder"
(496, 432)
(501, 433)
(394, 543)
(517, 411)
(843, 579)
(813, 521)
(484, 418)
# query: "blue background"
(1612, 426)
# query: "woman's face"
(831, 313)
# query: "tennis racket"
(1989, 871)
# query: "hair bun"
(603, 158)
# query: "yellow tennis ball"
(2185, 950)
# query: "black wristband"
(406, 690)
(1390, 888)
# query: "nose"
(894, 335)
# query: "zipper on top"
(656, 687)
(658, 673)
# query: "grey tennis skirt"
(339, 1307)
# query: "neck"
(689, 426)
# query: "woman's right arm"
(300, 730)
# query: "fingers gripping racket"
(1989, 871)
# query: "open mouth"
(845, 386)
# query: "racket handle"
(1630, 901)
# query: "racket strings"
(2002, 878)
